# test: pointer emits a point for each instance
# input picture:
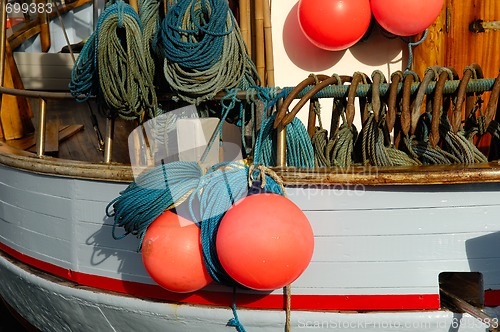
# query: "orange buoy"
(264, 241)
(172, 254)
(406, 17)
(334, 25)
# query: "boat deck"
(70, 122)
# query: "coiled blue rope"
(299, 149)
(193, 33)
(84, 72)
(203, 49)
(150, 195)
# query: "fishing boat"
(403, 215)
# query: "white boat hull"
(51, 305)
(378, 250)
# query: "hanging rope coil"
(113, 65)
(374, 150)
(84, 72)
(204, 51)
(125, 88)
(150, 21)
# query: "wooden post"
(108, 143)
(42, 123)
(44, 27)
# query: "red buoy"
(334, 25)
(406, 17)
(264, 242)
(172, 254)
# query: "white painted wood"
(360, 197)
(405, 221)
(361, 246)
(44, 71)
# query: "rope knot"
(259, 180)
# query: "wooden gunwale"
(357, 175)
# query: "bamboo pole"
(244, 21)
(268, 44)
(259, 39)
(44, 28)
(134, 5)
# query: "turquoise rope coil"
(84, 72)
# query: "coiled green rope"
(112, 65)
(126, 88)
(148, 14)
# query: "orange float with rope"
(264, 242)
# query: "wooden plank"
(51, 137)
(432, 51)
(421, 248)
(31, 221)
(23, 143)
(44, 59)
(49, 84)
(39, 71)
(38, 246)
(9, 116)
(399, 222)
(25, 112)
(450, 43)
(65, 132)
(342, 197)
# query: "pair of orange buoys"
(264, 242)
(339, 24)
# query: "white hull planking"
(368, 241)
(52, 306)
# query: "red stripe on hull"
(244, 300)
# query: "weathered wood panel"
(450, 43)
